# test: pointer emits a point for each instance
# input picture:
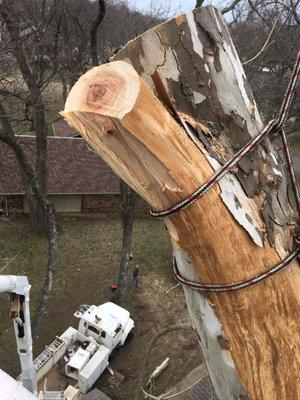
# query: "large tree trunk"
(38, 214)
(250, 338)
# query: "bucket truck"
(76, 358)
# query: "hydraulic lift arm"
(19, 288)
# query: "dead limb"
(168, 329)
(268, 43)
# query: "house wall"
(109, 204)
(64, 203)
(101, 204)
(86, 204)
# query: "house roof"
(72, 168)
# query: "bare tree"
(43, 42)
(34, 177)
(34, 181)
(199, 3)
(269, 58)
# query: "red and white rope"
(276, 125)
(229, 287)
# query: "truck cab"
(109, 324)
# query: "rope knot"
(275, 125)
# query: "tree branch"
(33, 86)
(267, 43)
(93, 32)
(162, 332)
(199, 3)
(274, 38)
(17, 49)
(28, 174)
(230, 7)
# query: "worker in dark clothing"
(135, 277)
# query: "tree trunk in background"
(36, 198)
(38, 216)
(199, 3)
(35, 194)
(49, 280)
(250, 338)
(128, 199)
(37, 190)
(94, 30)
(124, 274)
(127, 194)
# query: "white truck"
(71, 364)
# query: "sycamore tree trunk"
(250, 338)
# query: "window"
(92, 329)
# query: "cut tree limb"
(250, 338)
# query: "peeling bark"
(195, 60)
(239, 228)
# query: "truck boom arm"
(20, 313)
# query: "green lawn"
(294, 141)
(89, 253)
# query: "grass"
(294, 141)
(89, 254)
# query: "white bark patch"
(206, 68)
(274, 158)
(238, 203)
(197, 45)
(219, 362)
(198, 97)
(153, 55)
(169, 69)
(217, 21)
(229, 93)
(277, 172)
(240, 74)
(157, 57)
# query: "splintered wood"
(250, 338)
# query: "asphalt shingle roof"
(72, 168)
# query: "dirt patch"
(89, 254)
